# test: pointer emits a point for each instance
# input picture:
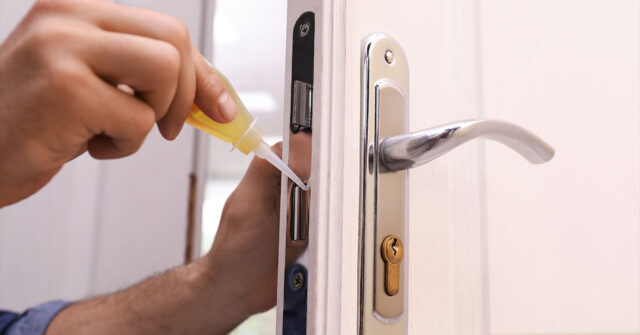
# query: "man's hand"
(236, 279)
(245, 250)
(59, 76)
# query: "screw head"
(388, 56)
(297, 281)
(304, 29)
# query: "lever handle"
(410, 150)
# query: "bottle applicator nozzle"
(263, 150)
(243, 133)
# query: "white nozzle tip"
(263, 150)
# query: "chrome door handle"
(410, 150)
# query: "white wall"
(99, 226)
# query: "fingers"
(119, 121)
(151, 67)
(139, 68)
(211, 94)
(147, 23)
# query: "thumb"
(212, 97)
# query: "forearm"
(186, 300)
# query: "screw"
(388, 56)
(297, 281)
(304, 29)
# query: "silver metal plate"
(294, 277)
(302, 103)
(383, 199)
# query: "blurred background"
(249, 48)
(101, 226)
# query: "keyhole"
(394, 247)
(392, 251)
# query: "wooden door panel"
(498, 246)
(564, 238)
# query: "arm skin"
(187, 300)
(236, 279)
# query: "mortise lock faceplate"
(302, 36)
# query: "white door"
(493, 244)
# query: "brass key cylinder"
(392, 252)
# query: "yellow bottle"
(243, 132)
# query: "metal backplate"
(383, 199)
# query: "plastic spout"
(246, 136)
(263, 150)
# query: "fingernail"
(227, 106)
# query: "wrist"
(223, 294)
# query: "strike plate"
(383, 198)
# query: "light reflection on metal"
(410, 150)
(298, 213)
